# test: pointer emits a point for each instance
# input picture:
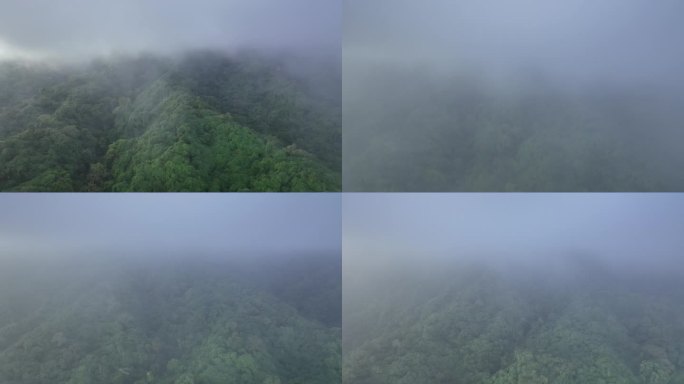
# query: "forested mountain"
(203, 121)
(413, 130)
(173, 321)
(469, 323)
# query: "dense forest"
(576, 322)
(415, 130)
(171, 320)
(203, 121)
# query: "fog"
(625, 234)
(632, 41)
(160, 226)
(493, 96)
(123, 288)
(77, 29)
(509, 288)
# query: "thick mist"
(510, 288)
(632, 42)
(170, 288)
(76, 30)
(512, 96)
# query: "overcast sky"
(84, 28)
(635, 231)
(278, 223)
(574, 40)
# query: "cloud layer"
(572, 40)
(84, 28)
(636, 232)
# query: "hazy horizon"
(624, 233)
(170, 225)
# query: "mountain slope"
(474, 325)
(150, 323)
(154, 124)
(409, 131)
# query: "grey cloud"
(625, 232)
(577, 40)
(54, 224)
(77, 28)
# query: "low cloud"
(74, 29)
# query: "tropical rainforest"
(175, 320)
(412, 130)
(474, 322)
(201, 121)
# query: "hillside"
(407, 130)
(200, 122)
(173, 321)
(469, 323)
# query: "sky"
(68, 29)
(278, 223)
(571, 40)
(639, 232)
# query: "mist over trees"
(532, 96)
(191, 320)
(170, 288)
(479, 325)
(405, 132)
(503, 289)
(170, 96)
